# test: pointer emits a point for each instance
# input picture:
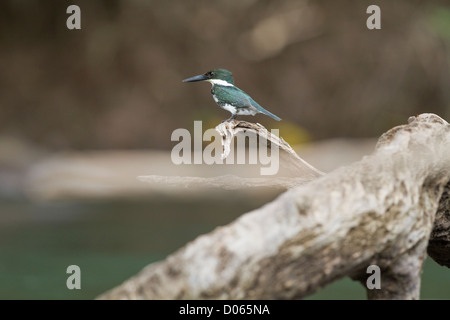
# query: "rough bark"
(439, 243)
(378, 211)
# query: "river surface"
(111, 241)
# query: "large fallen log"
(384, 210)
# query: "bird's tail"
(267, 113)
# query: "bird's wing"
(236, 96)
(240, 99)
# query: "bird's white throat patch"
(220, 82)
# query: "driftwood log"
(387, 210)
(295, 170)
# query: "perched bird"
(230, 97)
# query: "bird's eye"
(209, 74)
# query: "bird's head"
(216, 76)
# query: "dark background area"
(117, 82)
(68, 98)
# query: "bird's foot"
(233, 116)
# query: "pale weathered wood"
(299, 167)
(295, 171)
(378, 211)
(227, 182)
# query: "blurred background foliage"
(116, 84)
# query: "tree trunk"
(378, 211)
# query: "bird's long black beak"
(200, 77)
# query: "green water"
(112, 241)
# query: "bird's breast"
(238, 111)
(229, 108)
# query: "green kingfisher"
(230, 97)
